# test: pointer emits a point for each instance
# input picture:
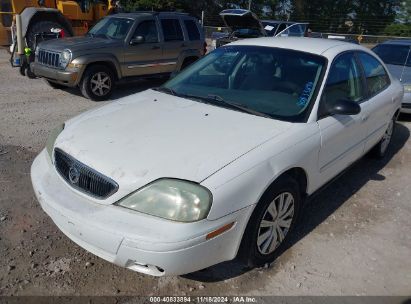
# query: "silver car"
(396, 54)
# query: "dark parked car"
(396, 55)
(120, 46)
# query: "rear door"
(193, 34)
(379, 105)
(174, 42)
(342, 136)
(143, 58)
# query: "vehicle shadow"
(319, 207)
(124, 89)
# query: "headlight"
(65, 58)
(171, 199)
(36, 52)
(52, 139)
(407, 88)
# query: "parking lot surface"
(354, 237)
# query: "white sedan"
(217, 162)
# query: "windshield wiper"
(165, 90)
(233, 105)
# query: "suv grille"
(82, 177)
(48, 58)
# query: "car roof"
(135, 15)
(398, 42)
(304, 44)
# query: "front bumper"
(133, 240)
(63, 77)
(406, 103)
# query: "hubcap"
(386, 139)
(100, 83)
(275, 223)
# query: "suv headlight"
(52, 139)
(65, 58)
(407, 88)
(172, 199)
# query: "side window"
(376, 76)
(172, 30)
(344, 80)
(192, 30)
(148, 30)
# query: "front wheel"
(97, 83)
(380, 149)
(271, 223)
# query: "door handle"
(183, 45)
(155, 47)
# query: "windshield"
(394, 54)
(111, 28)
(278, 83)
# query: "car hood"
(75, 44)
(151, 135)
(241, 19)
(397, 70)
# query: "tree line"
(373, 17)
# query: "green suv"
(121, 46)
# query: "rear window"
(192, 30)
(172, 30)
(394, 54)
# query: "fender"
(86, 60)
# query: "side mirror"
(137, 40)
(343, 107)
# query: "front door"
(342, 136)
(143, 57)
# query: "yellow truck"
(64, 17)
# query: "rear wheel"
(380, 149)
(42, 27)
(271, 223)
(97, 83)
(187, 62)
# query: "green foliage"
(403, 30)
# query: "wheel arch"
(107, 61)
(31, 15)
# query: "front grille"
(48, 58)
(406, 105)
(82, 177)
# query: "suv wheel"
(271, 223)
(97, 83)
(187, 62)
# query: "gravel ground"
(354, 238)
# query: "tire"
(380, 149)
(41, 27)
(54, 85)
(97, 83)
(257, 246)
(187, 62)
